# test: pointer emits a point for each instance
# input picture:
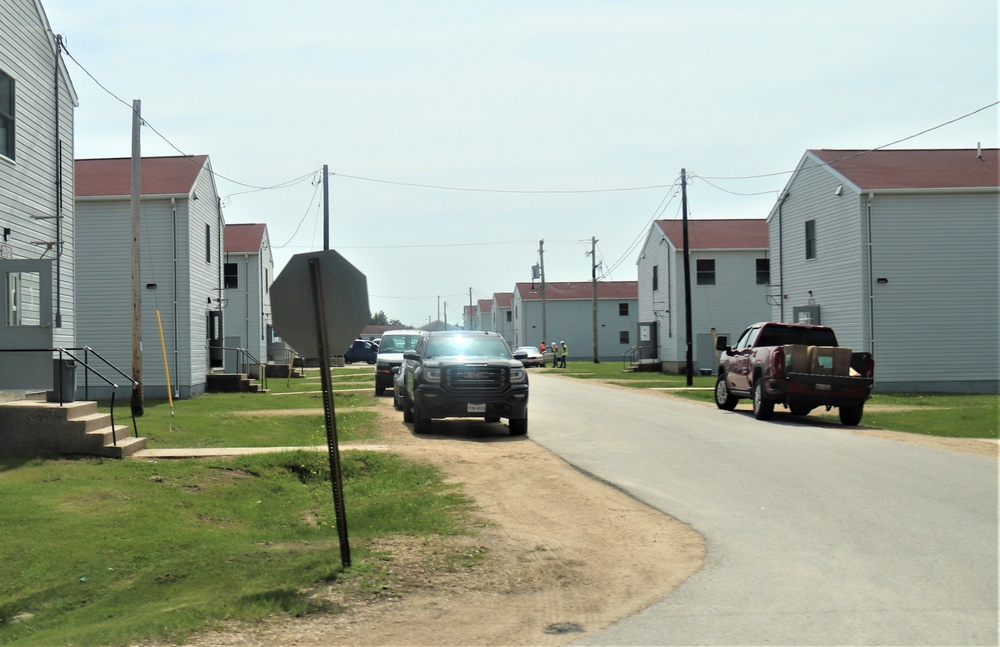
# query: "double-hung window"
(6, 115)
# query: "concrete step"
(125, 447)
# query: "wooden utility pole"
(138, 407)
(687, 279)
(326, 208)
(593, 278)
(541, 265)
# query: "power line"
(481, 190)
(858, 154)
(146, 123)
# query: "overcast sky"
(528, 108)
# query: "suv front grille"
(470, 378)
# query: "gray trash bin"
(64, 381)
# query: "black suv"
(464, 374)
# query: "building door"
(26, 324)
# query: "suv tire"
(518, 426)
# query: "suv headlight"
(432, 375)
(518, 375)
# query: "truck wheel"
(379, 391)
(407, 412)
(723, 399)
(763, 408)
(421, 425)
(850, 414)
(518, 426)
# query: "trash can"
(63, 381)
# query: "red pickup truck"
(797, 365)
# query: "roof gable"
(734, 233)
(914, 169)
(503, 299)
(160, 176)
(244, 238)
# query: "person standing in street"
(563, 352)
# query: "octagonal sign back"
(345, 300)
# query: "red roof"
(578, 290)
(733, 233)
(485, 305)
(244, 238)
(160, 176)
(915, 169)
(503, 299)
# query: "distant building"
(897, 251)
(181, 262)
(502, 315)
(569, 317)
(730, 282)
(247, 274)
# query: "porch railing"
(86, 351)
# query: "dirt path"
(557, 555)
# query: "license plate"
(822, 387)
(477, 408)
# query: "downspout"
(177, 377)
(59, 189)
(871, 279)
(781, 257)
(246, 299)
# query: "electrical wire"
(145, 122)
(481, 190)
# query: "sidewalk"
(212, 452)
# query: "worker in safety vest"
(555, 355)
(562, 355)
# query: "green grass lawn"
(251, 420)
(939, 414)
(103, 552)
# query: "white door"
(26, 325)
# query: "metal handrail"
(247, 359)
(89, 369)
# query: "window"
(6, 116)
(706, 271)
(508, 316)
(231, 276)
(623, 337)
(656, 278)
(810, 239)
(23, 294)
(622, 309)
(763, 271)
(208, 244)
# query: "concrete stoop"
(30, 428)
(232, 383)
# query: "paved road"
(815, 536)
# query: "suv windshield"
(398, 343)
(466, 346)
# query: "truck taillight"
(778, 363)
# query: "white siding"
(28, 194)
(104, 284)
(837, 276)
(729, 306)
(933, 322)
(936, 318)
